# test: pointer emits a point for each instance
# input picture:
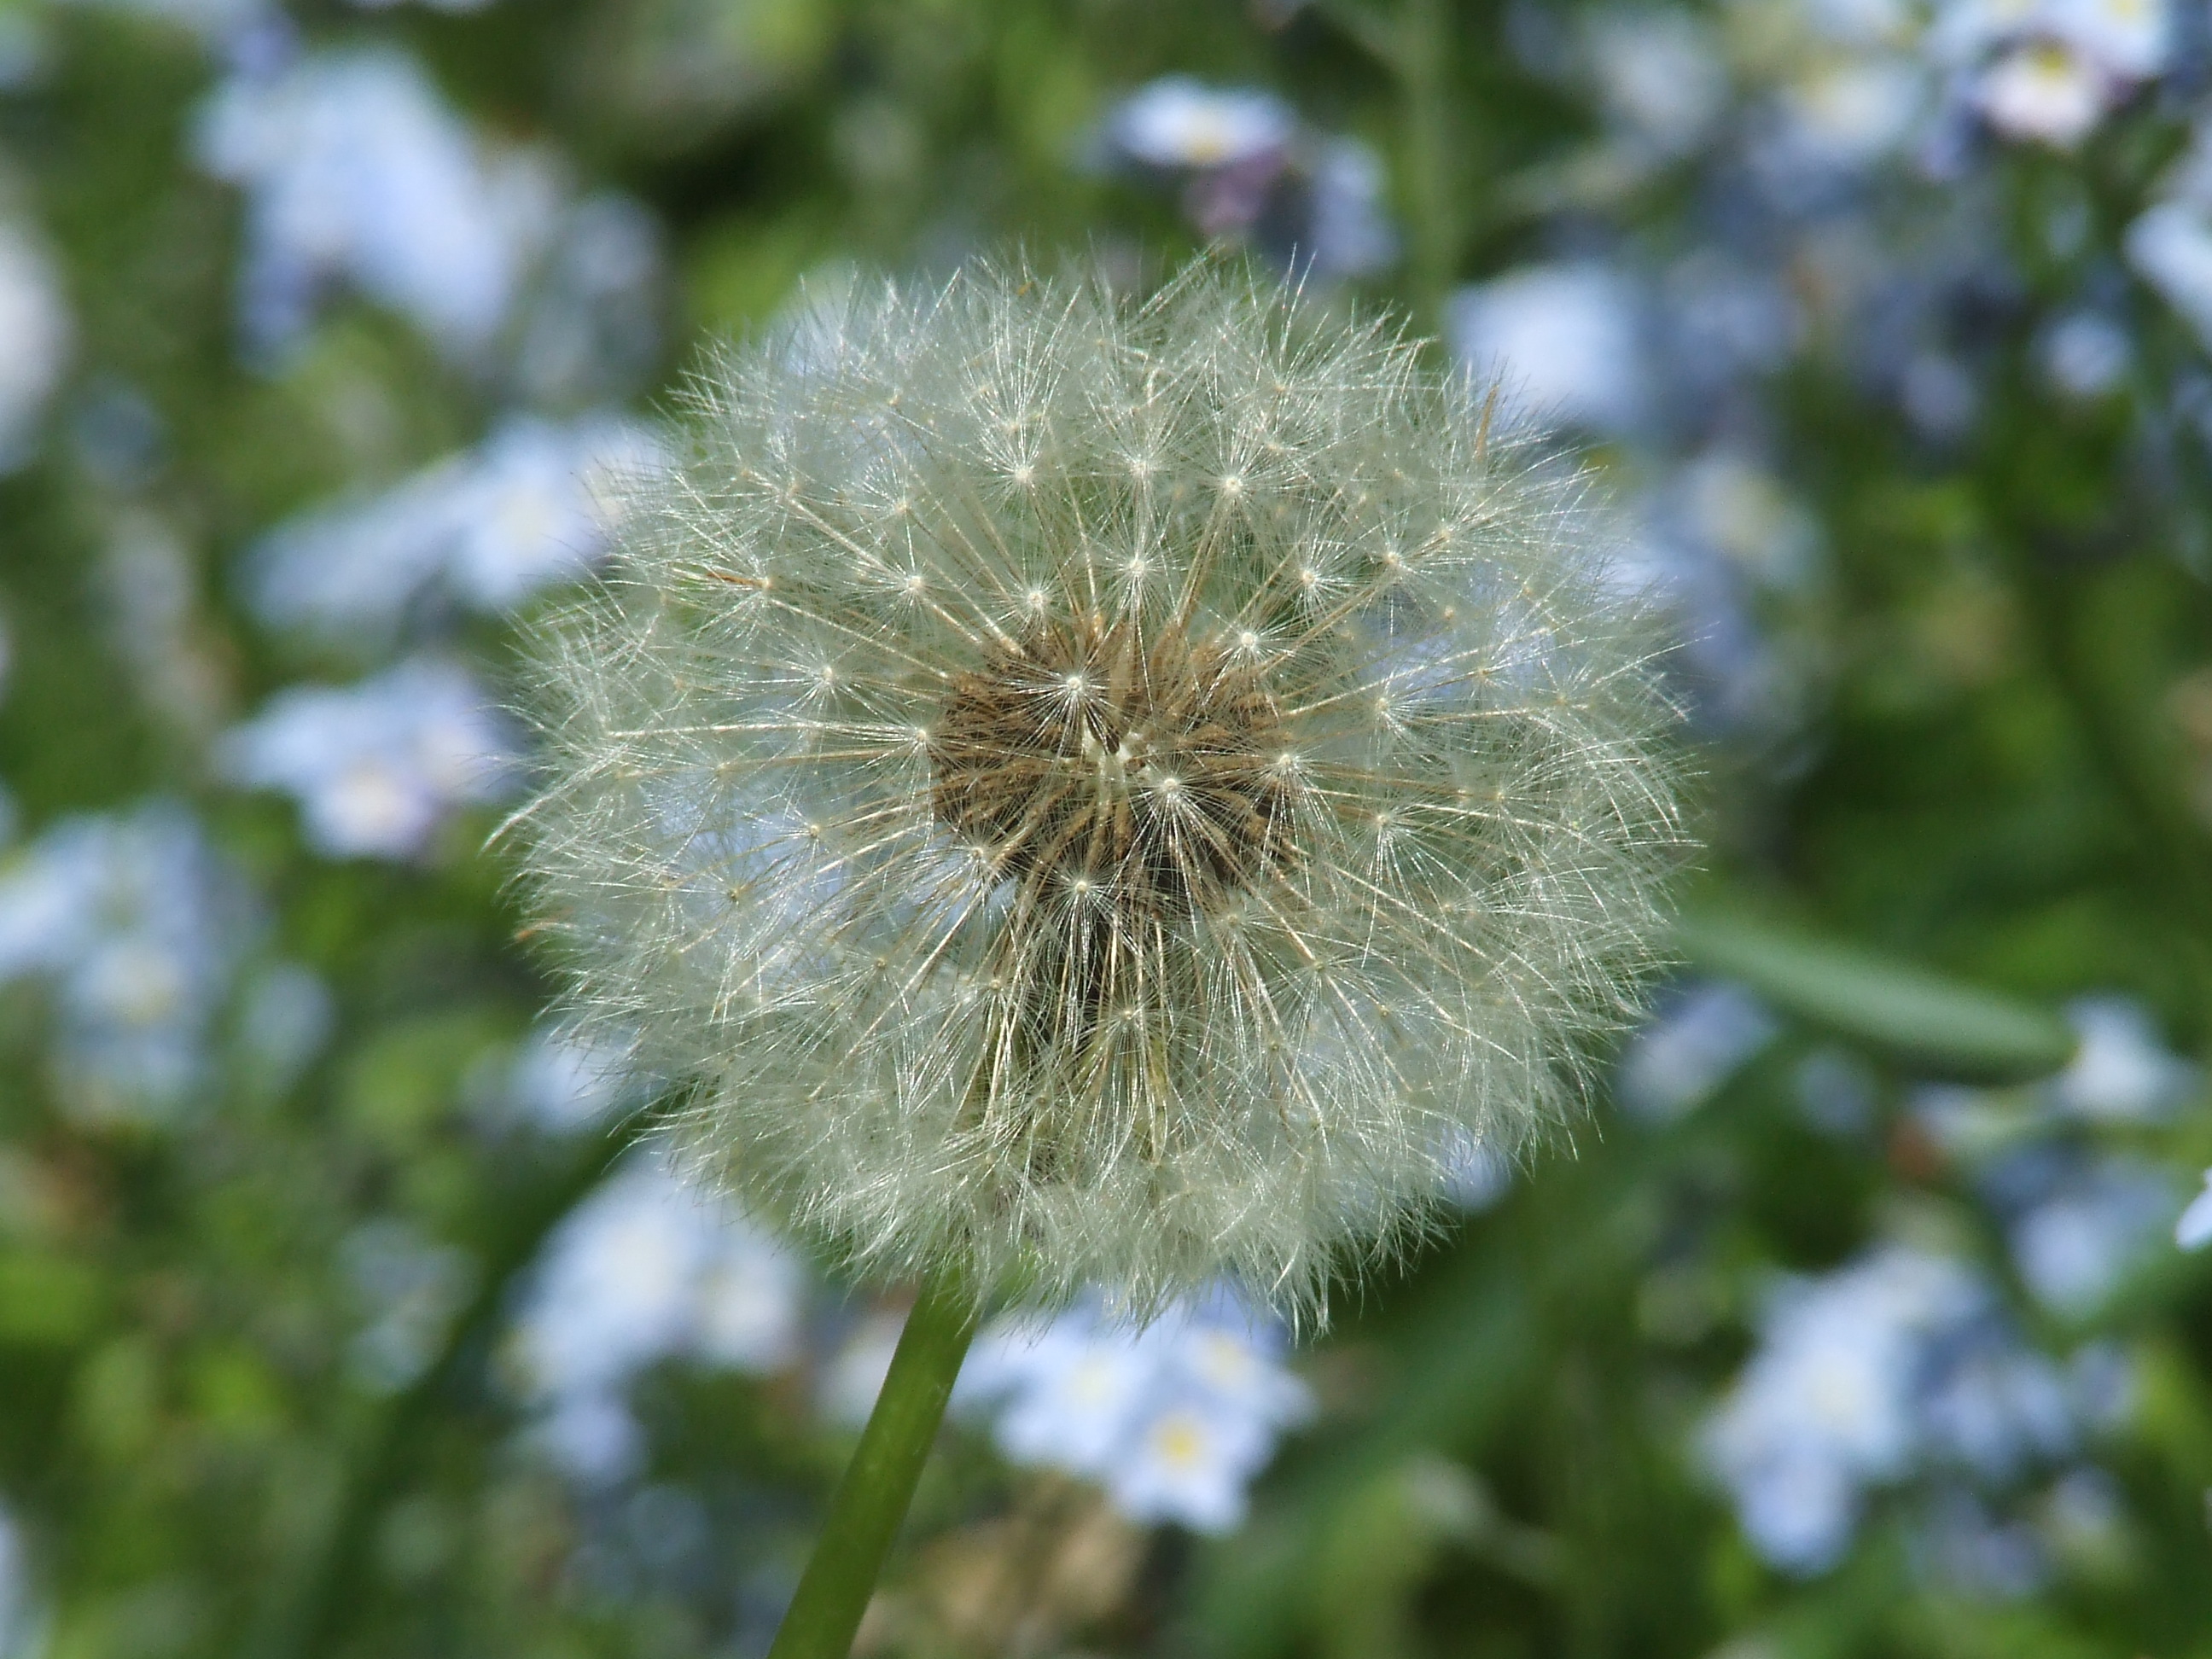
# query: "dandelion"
(1100, 792)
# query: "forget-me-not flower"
(137, 926)
(1899, 1358)
(527, 507)
(1174, 1421)
(1567, 342)
(356, 170)
(377, 766)
(34, 339)
(1698, 1040)
(650, 1267)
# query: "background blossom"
(355, 169)
(377, 768)
(1174, 1421)
(527, 509)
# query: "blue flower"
(1568, 342)
(1177, 122)
(2051, 70)
(137, 926)
(591, 327)
(2045, 89)
(1251, 170)
(1899, 1360)
(18, 1621)
(1175, 1420)
(356, 170)
(34, 324)
(561, 1081)
(2092, 1224)
(377, 768)
(1697, 1042)
(410, 1288)
(2086, 354)
(648, 1268)
(529, 506)
(1725, 547)
(1480, 1174)
(2193, 1231)
(1660, 75)
(1346, 231)
(1973, 1549)
(285, 1015)
(2122, 1072)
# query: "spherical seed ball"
(1101, 791)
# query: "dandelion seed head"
(1166, 867)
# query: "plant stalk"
(308, 1611)
(1424, 42)
(879, 1484)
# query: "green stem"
(1415, 44)
(308, 1611)
(1425, 70)
(878, 1485)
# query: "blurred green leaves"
(48, 1300)
(1928, 1021)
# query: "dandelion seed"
(1183, 867)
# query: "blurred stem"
(2170, 848)
(1425, 67)
(871, 1500)
(304, 1616)
(1415, 45)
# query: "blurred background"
(340, 1316)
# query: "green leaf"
(48, 1300)
(1926, 1019)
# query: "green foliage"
(1923, 1019)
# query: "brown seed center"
(1146, 773)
